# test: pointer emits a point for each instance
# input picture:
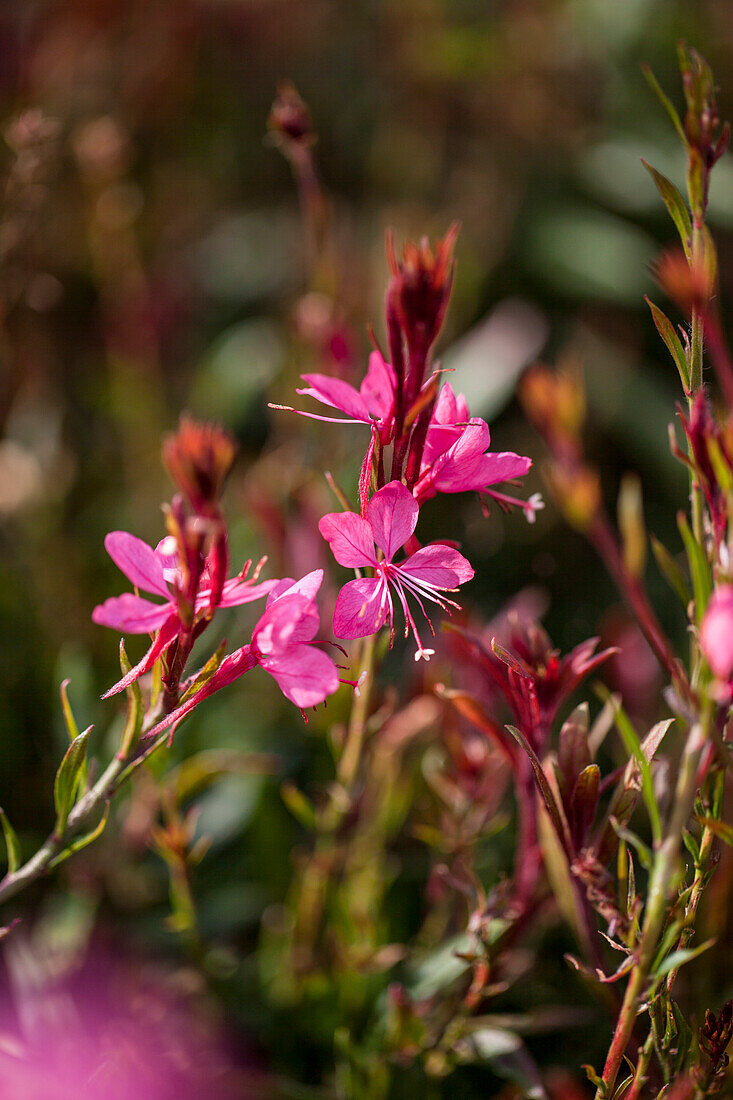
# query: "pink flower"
(364, 605)
(282, 644)
(455, 457)
(157, 571)
(716, 632)
(372, 403)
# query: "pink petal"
(360, 610)
(392, 514)
(234, 665)
(350, 539)
(131, 614)
(307, 586)
(137, 561)
(237, 592)
(339, 395)
(378, 387)
(439, 566)
(167, 634)
(304, 674)
(287, 621)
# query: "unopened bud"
(198, 457)
(420, 288)
(290, 119)
(578, 493)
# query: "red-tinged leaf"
(556, 815)
(470, 708)
(584, 802)
(511, 661)
(573, 753)
(675, 204)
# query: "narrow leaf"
(666, 102)
(675, 204)
(699, 568)
(64, 788)
(545, 790)
(206, 672)
(718, 828)
(634, 748)
(82, 841)
(11, 843)
(670, 570)
(300, 807)
(679, 958)
(584, 802)
(134, 718)
(666, 330)
(69, 720)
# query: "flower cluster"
(437, 447)
(187, 570)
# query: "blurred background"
(154, 259)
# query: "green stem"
(83, 817)
(662, 877)
(348, 765)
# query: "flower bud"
(290, 119)
(419, 290)
(198, 457)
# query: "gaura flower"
(716, 632)
(364, 605)
(156, 571)
(283, 645)
(372, 403)
(455, 457)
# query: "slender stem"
(645, 1055)
(349, 763)
(83, 816)
(663, 873)
(603, 539)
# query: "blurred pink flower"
(282, 644)
(364, 605)
(372, 403)
(716, 632)
(157, 571)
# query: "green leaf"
(82, 841)
(666, 102)
(300, 807)
(699, 568)
(634, 748)
(67, 777)
(206, 673)
(679, 958)
(642, 850)
(718, 828)
(69, 720)
(675, 204)
(134, 718)
(11, 843)
(670, 570)
(666, 330)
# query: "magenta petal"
(237, 592)
(287, 621)
(131, 614)
(307, 586)
(378, 387)
(137, 560)
(304, 674)
(439, 566)
(233, 666)
(350, 538)
(339, 395)
(360, 610)
(167, 634)
(392, 514)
